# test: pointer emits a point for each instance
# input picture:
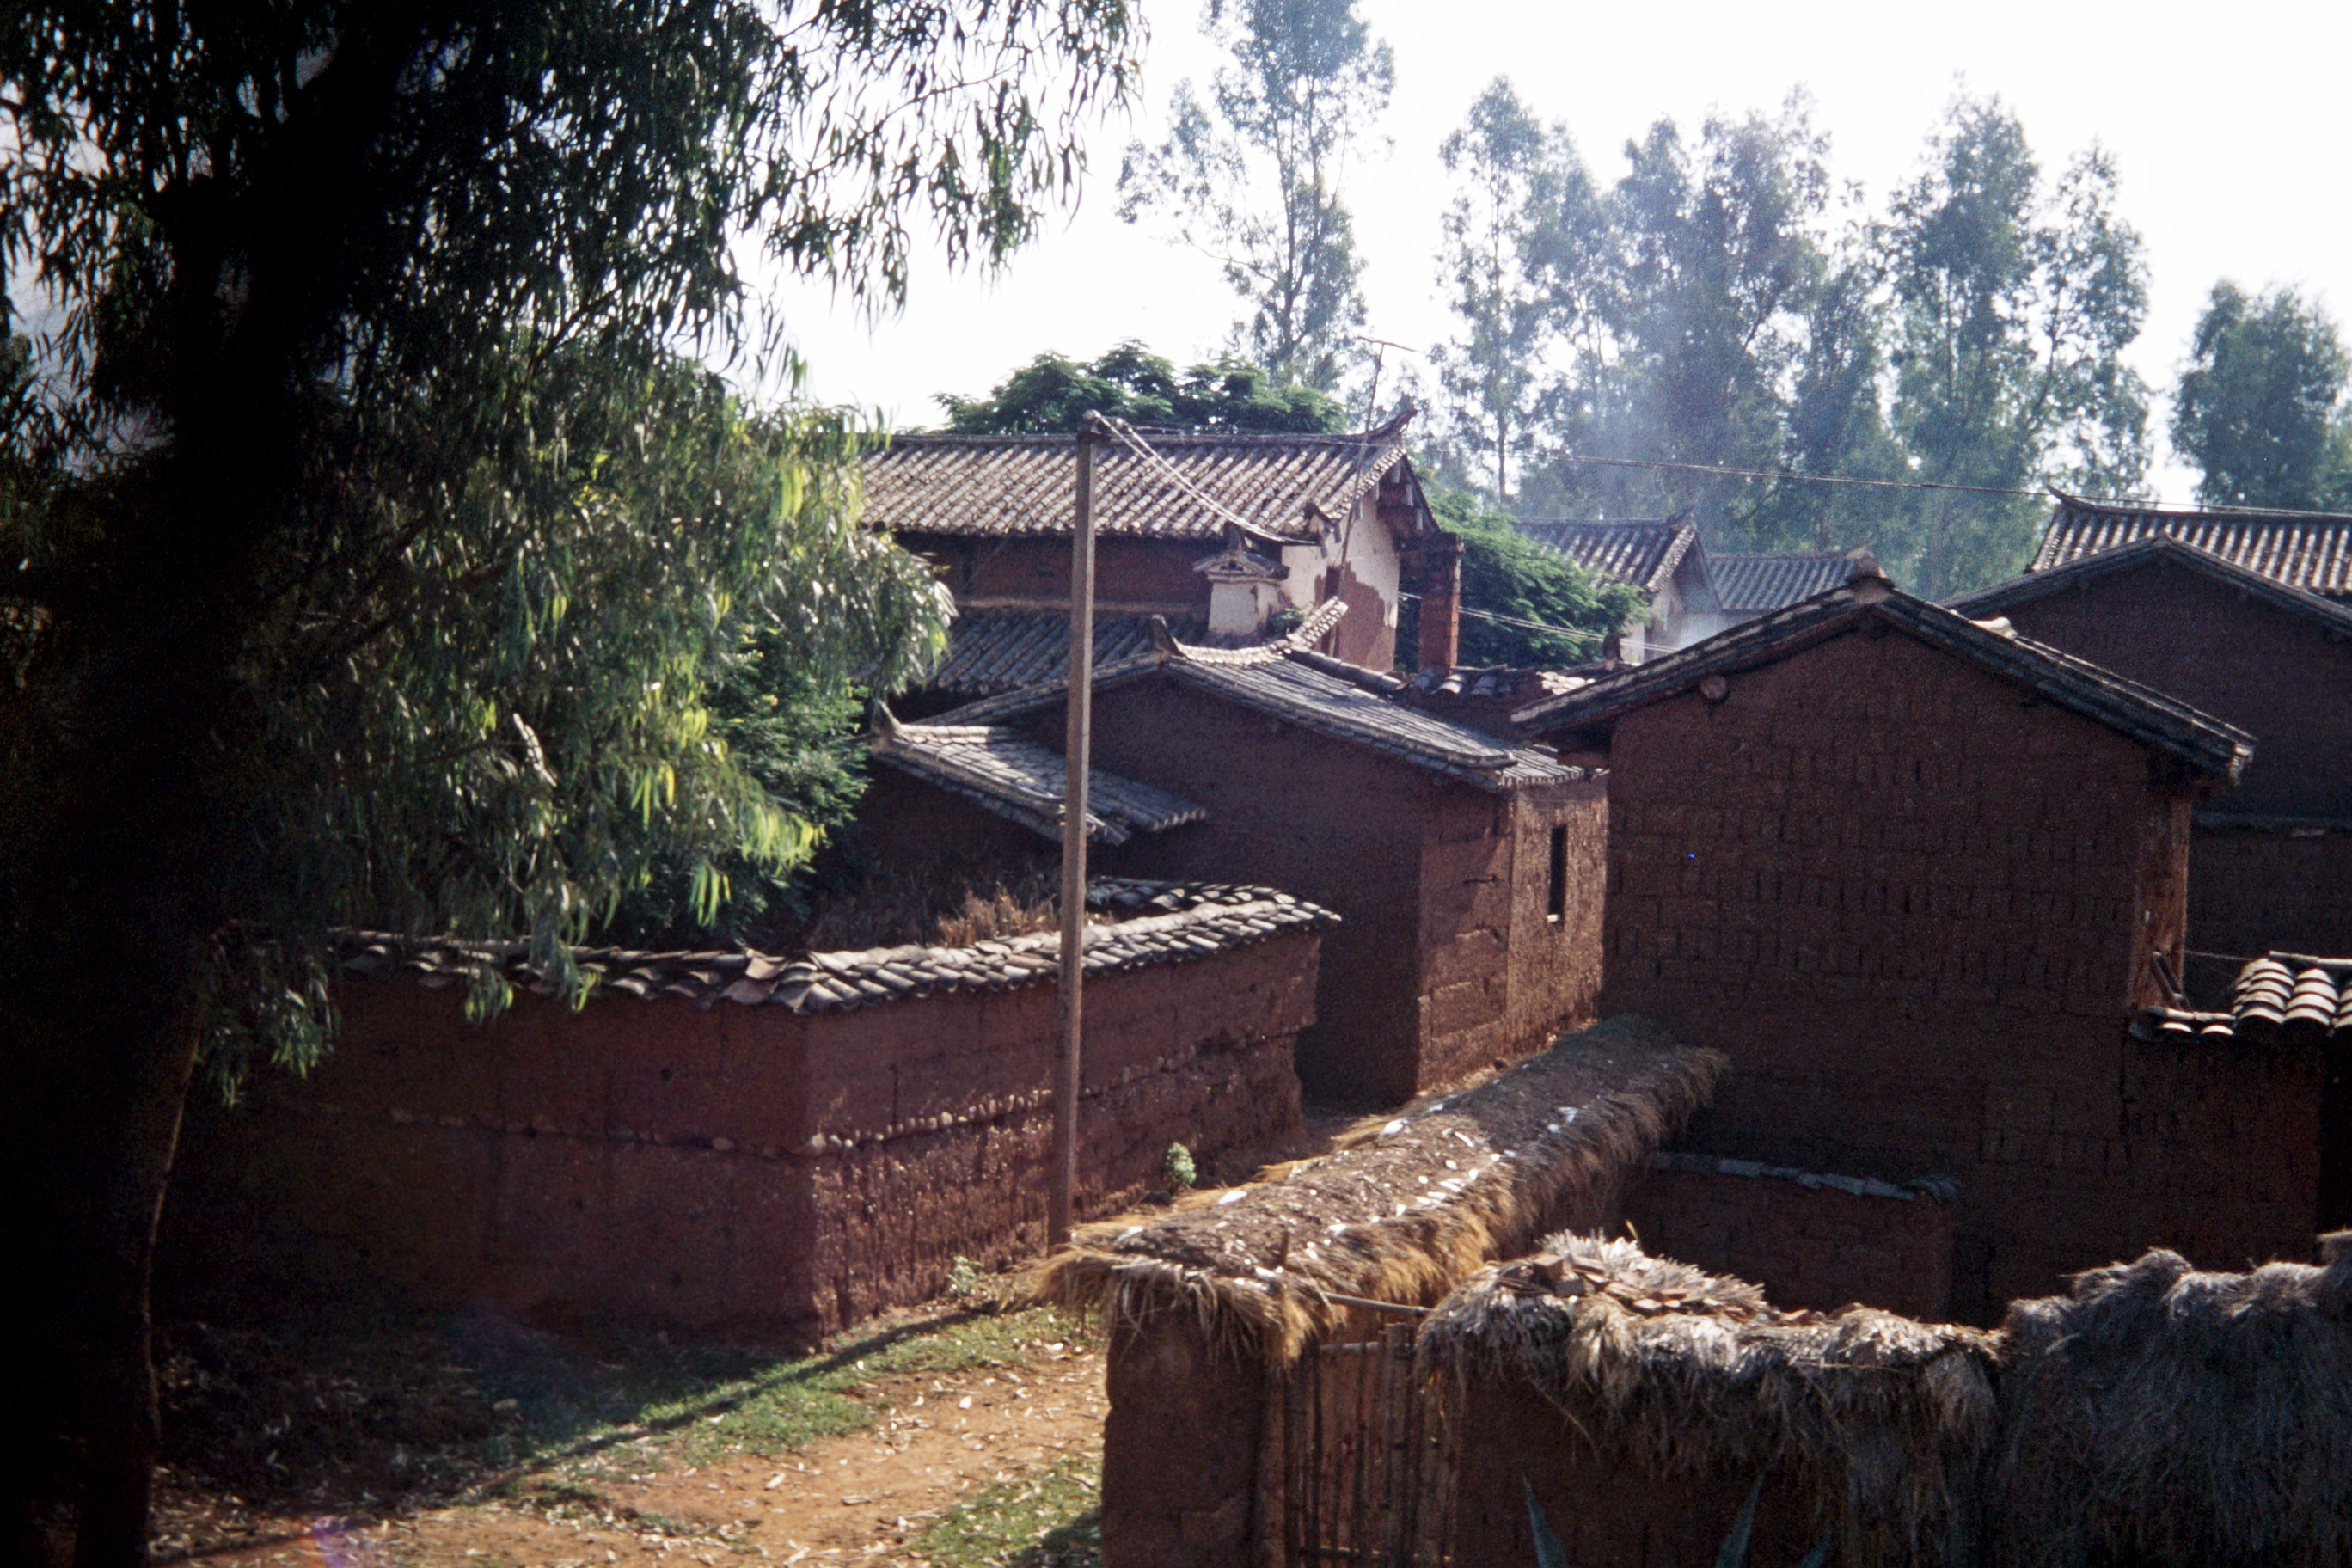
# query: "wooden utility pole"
(1076, 748)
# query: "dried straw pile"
(1408, 1212)
(2156, 1414)
(1887, 1421)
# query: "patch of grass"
(1049, 1518)
(655, 1405)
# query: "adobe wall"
(1914, 911)
(1442, 961)
(1818, 1243)
(1606, 1512)
(905, 821)
(1133, 575)
(1499, 976)
(2279, 677)
(738, 1167)
(1330, 822)
(2278, 890)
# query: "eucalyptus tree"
(374, 551)
(1690, 285)
(1519, 185)
(2260, 404)
(2015, 299)
(1252, 178)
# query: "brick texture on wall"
(737, 1167)
(1915, 907)
(1443, 960)
(1809, 1243)
(2282, 678)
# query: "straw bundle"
(1887, 1421)
(2156, 1414)
(1410, 1212)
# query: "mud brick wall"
(1808, 1242)
(1500, 977)
(1443, 959)
(733, 1167)
(2283, 678)
(2257, 891)
(1915, 910)
(1606, 1512)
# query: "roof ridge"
(2160, 720)
(2159, 509)
(2033, 585)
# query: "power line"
(1789, 474)
(1576, 634)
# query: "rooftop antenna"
(1380, 352)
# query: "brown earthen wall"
(1154, 573)
(1818, 1246)
(2251, 893)
(1434, 967)
(1499, 977)
(1605, 1512)
(651, 1161)
(903, 821)
(2280, 676)
(1915, 910)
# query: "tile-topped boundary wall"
(698, 1159)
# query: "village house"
(1914, 875)
(1661, 556)
(1464, 869)
(1328, 517)
(2259, 645)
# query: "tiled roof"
(1302, 687)
(2304, 550)
(997, 650)
(1747, 584)
(1644, 552)
(1186, 921)
(1009, 485)
(2099, 695)
(2002, 597)
(1021, 781)
(2282, 996)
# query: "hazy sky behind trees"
(2224, 135)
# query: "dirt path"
(938, 1440)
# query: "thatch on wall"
(1886, 1420)
(1408, 1213)
(2157, 1415)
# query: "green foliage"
(1183, 1173)
(1520, 181)
(1049, 1518)
(1052, 395)
(2014, 303)
(2260, 406)
(1721, 306)
(378, 559)
(1255, 186)
(1505, 573)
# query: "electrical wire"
(1127, 436)
(1575, 634)
(1789, 474)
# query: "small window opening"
(1556, 901)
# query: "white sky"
(2227, 124)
